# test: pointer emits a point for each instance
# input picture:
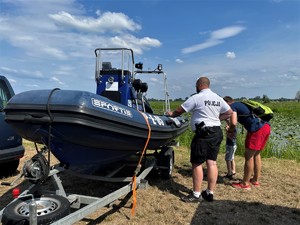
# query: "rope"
(138, 168)
(50, 124)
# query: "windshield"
(4, 94)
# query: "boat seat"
(106, 66)
(144, 87)
(137, 84)
(140, 88)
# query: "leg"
(211, 163)
(232, 161)
(197, 177)
(233, 166)
(257, 166)
(229, 170)
(197, 157)
(255, 140)
(212, 174)
(248, 166)
(264, 136)
(229, 157)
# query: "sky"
(247, 48)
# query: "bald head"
(202, 83)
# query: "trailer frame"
(91, 203)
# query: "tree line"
(264, 99)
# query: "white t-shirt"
(205, 106)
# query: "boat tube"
(87, 131)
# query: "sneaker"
(207, 197)
(230, 177)
(255, 183)
(241, 186)
(190, 198)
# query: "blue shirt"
(246, 117)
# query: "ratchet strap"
(138, 168)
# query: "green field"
(285, 136)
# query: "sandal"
(255, 183)
(241, 186)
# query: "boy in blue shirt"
(258, 132)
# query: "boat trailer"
(37, 206)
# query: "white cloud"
(227, 32)
(178, 61)
(36, 74)
(22, 72)
(154, 79)
(12, 80)
(289, 76)
(64, 70)
(216, 38)
(61, 34)
(230, 55)
(176, 87)
(36, 47)
(55, 79)
(130, 41)
(63, 30)
(55, 52)
(106, 22)
(33, 86)
(204, 45)
(6, 69)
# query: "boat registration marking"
(156, 120)
(111, 107)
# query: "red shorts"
(257, 140)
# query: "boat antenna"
(167, 100)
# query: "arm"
(233, 122)
(226, 115)
(232, 125)
(176, 112)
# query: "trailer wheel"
(167, 161)
(50, 208)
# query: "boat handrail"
(98, 56)
(167, 106)
(115, 49)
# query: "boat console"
(116, 80)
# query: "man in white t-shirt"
(208, 109)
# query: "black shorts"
(204, 147)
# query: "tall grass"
(285, 138)
(286, 152)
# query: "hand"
(230, 134)
(169, 113)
